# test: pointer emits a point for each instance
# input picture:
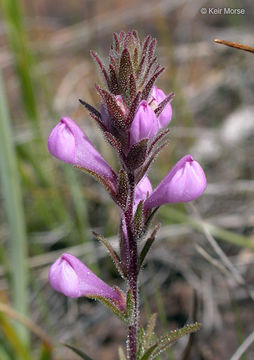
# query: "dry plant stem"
(132, 274)
(235, 45)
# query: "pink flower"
(157, 96)
(68, 275)
(143, 189)
(185, 182)
(144, 125)
(68, 143)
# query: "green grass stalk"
(14, 211)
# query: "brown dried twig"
(235, 45)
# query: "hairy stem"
(132, 274)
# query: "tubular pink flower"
(144, 125)
(68, 143)
(68, 275)
(185, 182)
(157, 96)
(143, 189)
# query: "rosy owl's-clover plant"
(133, 116)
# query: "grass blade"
(20, 350)
(14, 211)
(22, 57)
(78, 352)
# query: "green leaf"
(123, 189)
(149, 352)
(129, 306)
(141, 334)
(149, 331)
(138, 221)
(120, 314)
(164, 342)
(112, 253)
(145, 338)
(121, 354)
(78, 352)
(105, 182)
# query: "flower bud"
(157, 96)
(185, 182)
(68, 143)
(144, 125)
(74, 279)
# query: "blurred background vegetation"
(203, 259)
